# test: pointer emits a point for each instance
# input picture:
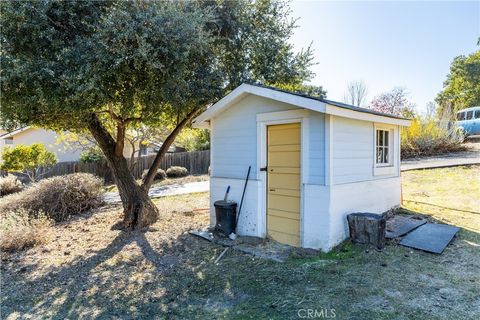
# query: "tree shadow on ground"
(117, 282)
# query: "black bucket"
(226, 215)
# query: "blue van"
(469, 121)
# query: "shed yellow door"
(283, 183)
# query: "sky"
(386, 44)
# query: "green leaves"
(138, 62)
(462, 87)
(27, 159)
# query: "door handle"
(273, 190)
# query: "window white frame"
(388, 168)
(385, 143)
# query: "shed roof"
(300, 100)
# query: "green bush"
(428, 136)
(57, 197)
(177, 172)
(159, 176)
(27, 159)
(10, 184)
(91, 155)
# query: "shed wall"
(234, 139)
(353, 151)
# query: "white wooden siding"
(353, 151)
(234, 137)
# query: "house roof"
(14, 132)
(297, 99)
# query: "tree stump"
(367, 228)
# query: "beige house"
(31, 135)
(64, 151)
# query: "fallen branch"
(221, 255)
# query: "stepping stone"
(401, 225)
(430, 237)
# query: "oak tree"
(82, 66)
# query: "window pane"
(379, 154)
(385, 155)
(377, 139)
(380, 138)
(460, 116)
(477, 114)
(469, 115)
(386, 138)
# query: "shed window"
(461, 116)
(477, 114)
(383, 147)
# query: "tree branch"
(120, 144)
(100, 134)
(148, 180)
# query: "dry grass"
(57, 197)
(159, 176)
(91, 271)
(177, 172)
(19, 230)
(10, 184)
(427, 137)
(449, 195)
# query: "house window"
(8, 141)
(383, 147)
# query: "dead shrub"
(177, 172)
(58, 197)
(10, 184)
(20, 230)
(159, 176)
(428, 136)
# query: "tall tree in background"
(356, 93)
(462, 87)
(87, 66)
(394, 102)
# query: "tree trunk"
(139, 210)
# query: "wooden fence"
(196, 162)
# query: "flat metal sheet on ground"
(430, 237)
(401, 225)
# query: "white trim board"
(202, 121)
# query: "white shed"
(313, 162)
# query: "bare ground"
(90, 271)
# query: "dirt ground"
(90, 271)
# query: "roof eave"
(310, 103)
(359, 115)
(14, 132)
